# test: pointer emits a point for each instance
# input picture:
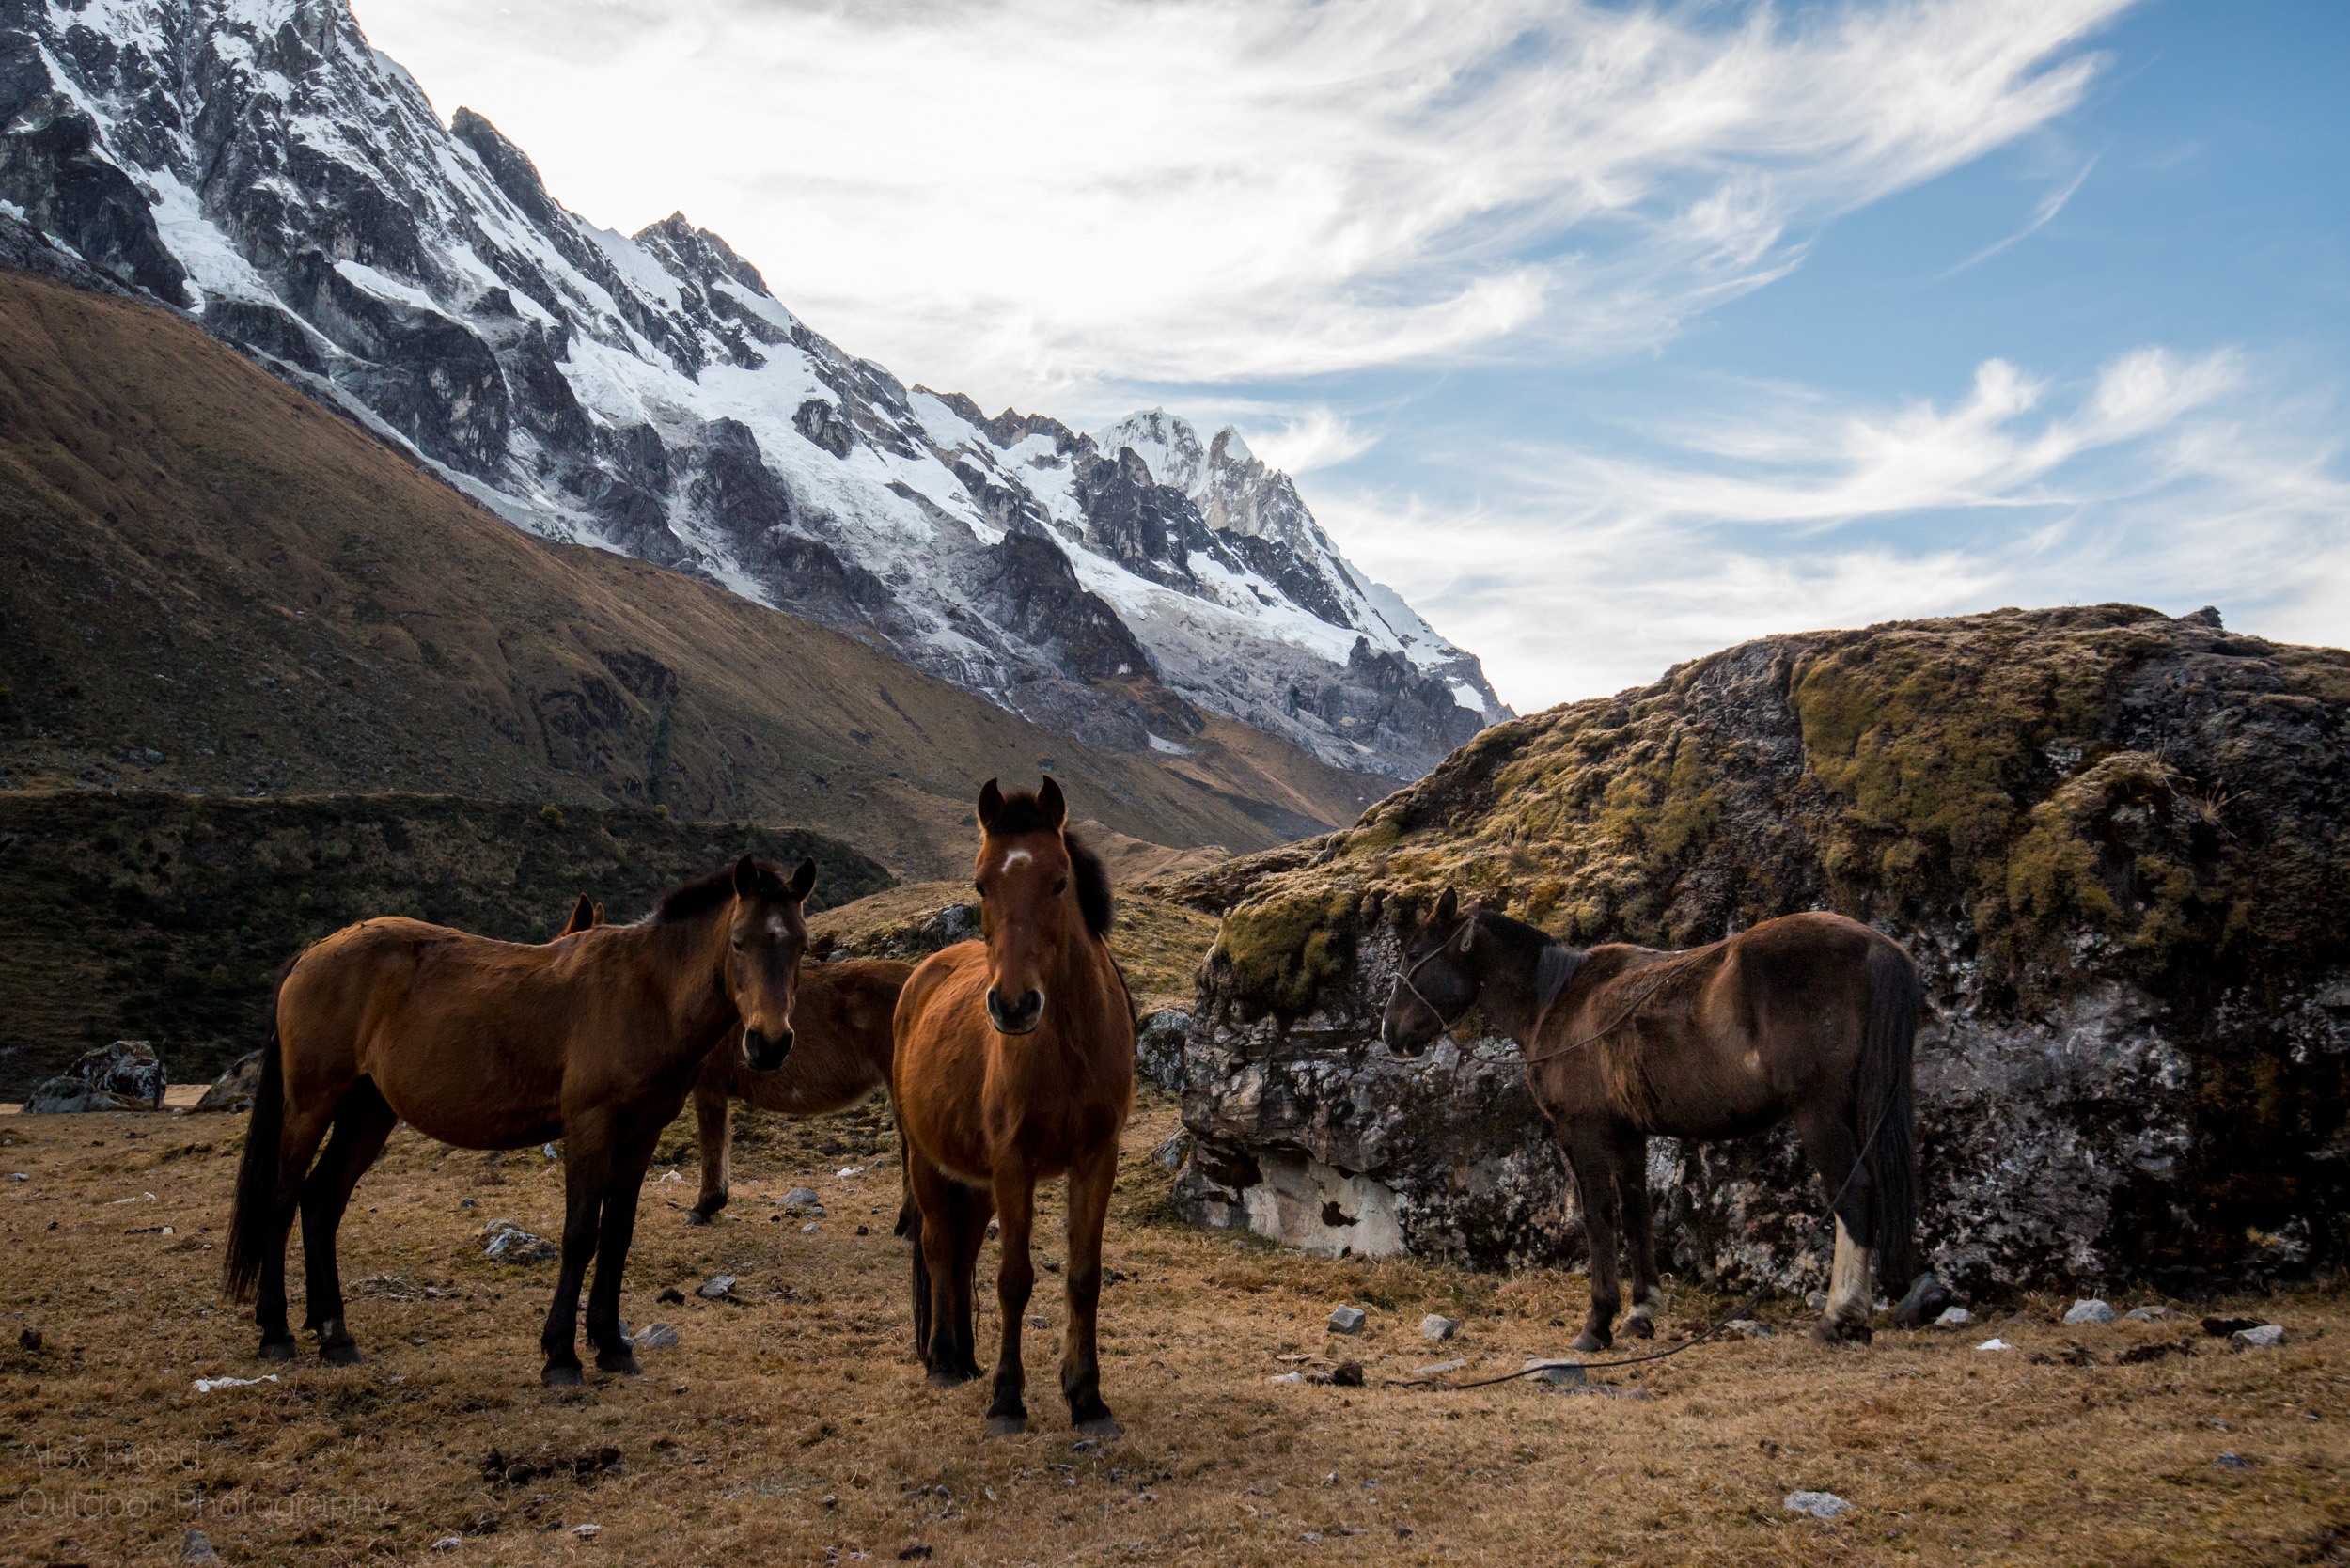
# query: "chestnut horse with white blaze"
(593, 1039)
(1809, 1017)
(1016, 1063)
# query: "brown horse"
(1809, 1017)
(488, 1044)
(1016, 1063)
(842, 1051)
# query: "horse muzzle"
(1392, 1038)
(1020, 1017)
(763, 1052)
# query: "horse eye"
(979, 889)
(738, 944)
(1061, 886)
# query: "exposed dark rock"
(234, 1089)
(125, 1075)
(2113, 840)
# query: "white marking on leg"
(1848, 1282)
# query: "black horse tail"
(910, 1227)
(1894, 996)
(253, 1222)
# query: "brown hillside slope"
(212, 583)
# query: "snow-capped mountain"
(255, 163)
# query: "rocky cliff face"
(2113, 840)
(255, 163)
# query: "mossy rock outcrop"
(2112, 839)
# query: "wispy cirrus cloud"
(1032, 198)
(2170, 481)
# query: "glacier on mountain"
(257, 163)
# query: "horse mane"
(1093, 886)
(697, 897)
(1020, 813)
(1554, 967)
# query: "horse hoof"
(277, 1350)
(342, 1354)
(1587, 1343)
(694, 1216)
(1006, 1426)
(618, 1361)
(942, 1377)
(1640, 1329)
(562, 1377)
(1827, 1331)
(1100, 1426)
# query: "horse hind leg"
(973, 1210)
(1590, 1157)
(933, 1197)
(362, 1123)
(712, 1109)
(298, 1143)
(1836, 1152)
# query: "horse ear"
(1049, 801)
(1448, 908)
(991, 802)
(804, 880)
(598, 917)
(1469, 934)
(746, 878)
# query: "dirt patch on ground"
(792, 1425)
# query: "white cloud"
(2173, 482)
(1029, 198)
(1317, 438)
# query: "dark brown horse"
(840, 1053)
(1809, 1017)
(484, 1044)
(1016, 1063)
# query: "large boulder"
(235, 1090)
(125, 1075)
(2112, 839)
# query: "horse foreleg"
(711, 1117)
(1591, 1156)
(1090, 1184)
(613, 1352)
(1015, 1278)
(586, 1177)
(1639, 1236)
(362, 1123)
(972, 1208)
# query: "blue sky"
(1608, 337)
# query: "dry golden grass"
(793, 1426)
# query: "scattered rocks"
(2147, 1314)
(1558, 1373)
(1441, 1368)
(804, 1200)
(1347, 1320)
(1746, 1328)
(1995, 1343)
(1436, 1326)
(655, 1336)
(716, 1288)
(670, 1296)
(29, 1339)
(125, 1075)
(1159, 1049)
(196, 1546)
(2228, 1461)
(586, 1533)
(1816, 1301)
(2268, 1336)
(1952, 1317)
(1820, 1505)
(2138, 1355)
(234, 1089)
(448, 1543)
(504, 1241)
(1346, 1375)
(2219, 1328)
(1172, 1154)
(2091, 1312)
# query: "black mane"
(1093, 885)
(697, 897)
(1020, 813)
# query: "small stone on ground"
(1746, 1328)
(2232, 1461)
(2268, 1336)
(2091, 1312)
(655, 1336)
(196, 1546)
(1347, 1320)
(1559, 1375)
(1820, 1505)
(716, 1286)
(1952, 1317)
(2148, 1314)
(1434, 1327)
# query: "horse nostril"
(1031, 1003)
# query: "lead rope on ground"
(1735, 1312)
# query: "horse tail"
(1894, 996)
(252, 1221)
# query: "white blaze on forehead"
(775, 925)
(1017, 857)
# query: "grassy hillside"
(209, 582)
(164, 917)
